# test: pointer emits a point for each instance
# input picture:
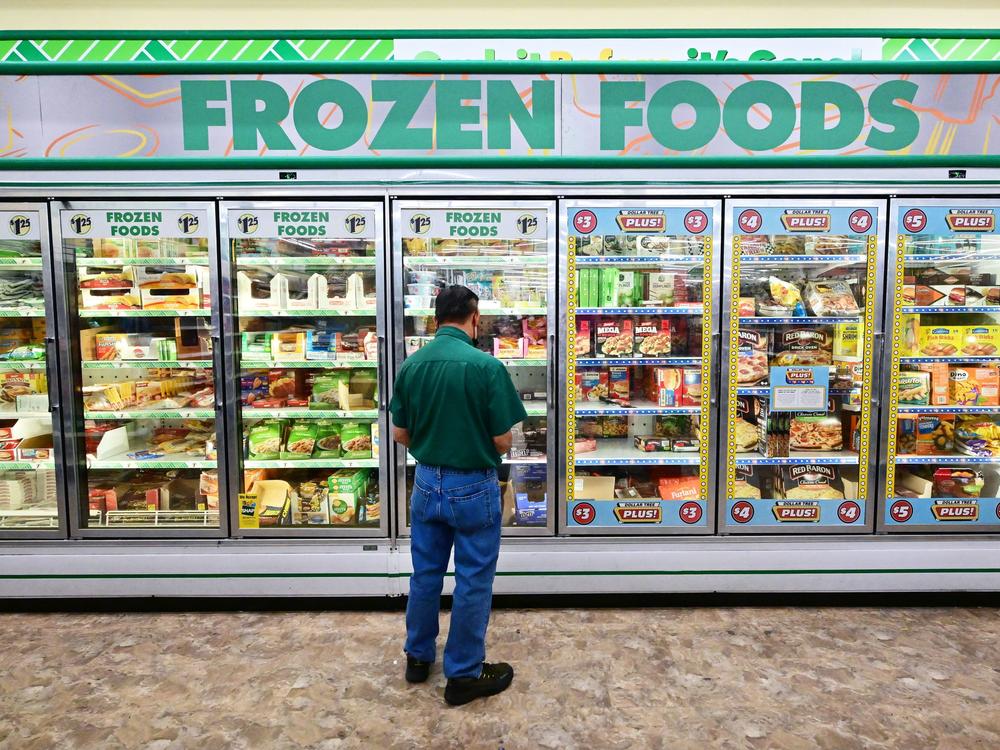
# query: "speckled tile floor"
(594, 679)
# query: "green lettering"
(737, 108)
(451, 114)
(248, 121)
(504, 104)
(196, 116)
(341, 95)
(615, 116)
(395, 131)
(816, 95)
(660, 115)
(883, 109)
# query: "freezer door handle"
(50, 359)
(216, 340)
(550, 394)
(381, 373)
(715, 355)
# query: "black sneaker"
(416, 670)
(495, 679)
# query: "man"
(453, 406)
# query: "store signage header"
(473, 115)
(423, 117)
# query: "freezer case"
(941, 437)
(804, 296)
(303, 327)
(640, 291)
(505, 252)
(30, 495)
(137, 284)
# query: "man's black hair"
(455, 304)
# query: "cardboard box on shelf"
(260, 291)
(974, 386)
(594, 488)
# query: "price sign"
(860, 221)
(750, 221)
(849, 512)
(696, 221)
(800, 388)
(584, 514)
(690, 512)
(585, 222)
(914, 221)
(742, 512)
(901, 511)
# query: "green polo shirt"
(453, 399)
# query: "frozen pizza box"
(615, 337)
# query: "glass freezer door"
(942, 434)
(137, 285)
(505, 252)
(803, 306)
(305, 357)
(640, 292)
(29, 496)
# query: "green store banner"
(577, 47)
(627, 116)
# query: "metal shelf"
(812, 457)
(799, 321)
(638, 407)
(199, 313)
(335, 312)
(312, 463)
(309, 260)
(801, 259)
(13, 364)
(948, 409)
(326, 364)
(950, 309)
(622, 452)
(23, 312)
(426, 312)
(26, 465)
(950, 460)
(21, 262)
(155, 261)
(306, 413)
(652, 361)
(197, 461)
(640, 260)
(475, 261)
(690, 310)
(131, 364)
(929, 360)
(152, 414)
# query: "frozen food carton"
(974, 386)
(939, 382)
(979, 340)
(940, 340)
(594, 488)
(260, 290)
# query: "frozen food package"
(974, 386)
(811, 482)
(752, 366)
(786, 294)
(584, 339)
(300, 441)
(831, 298)
(327, 439)
(618, 385)
(958, 483)
(915, 388)
(788, 244)
(356, 440)
(977, 435)
(808, 346)
(748, 483)
(816, 432)
(615, 337)
(264, 440)
(593, 385)
(652, 337)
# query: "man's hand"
(503, 442)
(402, 436)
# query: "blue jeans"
(461, 508)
